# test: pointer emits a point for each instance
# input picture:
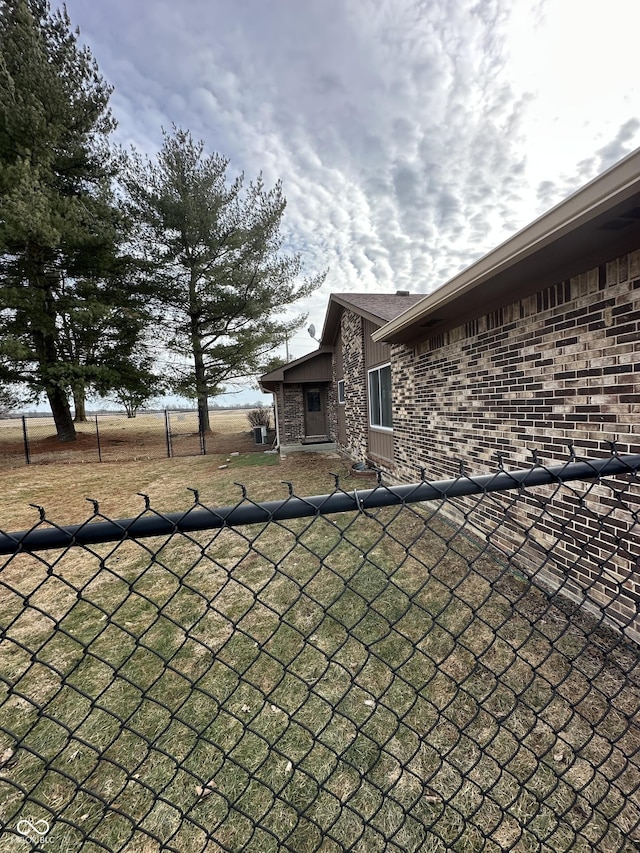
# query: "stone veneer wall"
(355, 382)
(561, 366)
(292, 417)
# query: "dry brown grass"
(63, 489)
(122, 438)
(370, 682)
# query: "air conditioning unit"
(260, 434)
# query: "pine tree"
(58, 222)
(134, 382)
(221, 278)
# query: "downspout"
(275, 415)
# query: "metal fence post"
(167, 430)
(25, 437)
(98, 437)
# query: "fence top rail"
(98, 529)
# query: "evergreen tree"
(221, 278)
(134, 382)
(102, 327)
(58, 223)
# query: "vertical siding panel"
(374, 353)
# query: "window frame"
(341, 397)
(379, 405)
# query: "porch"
(302, 393)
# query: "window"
(313, 400)
(380, 410)
(341, 391)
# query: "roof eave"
(337, 302)
(615, 185)
(278, 375)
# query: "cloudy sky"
(411, 136)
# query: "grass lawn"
(365, 682)
(63, 489)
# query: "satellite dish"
(312, 330)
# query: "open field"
(63, 489)
(371, 682)
(114, 437)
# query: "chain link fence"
(113, 437)
(359, 671)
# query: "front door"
(315, 410)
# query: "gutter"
(620, 181)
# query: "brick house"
(535, 346)
(302, 390)
(325, 396)
(361, 405)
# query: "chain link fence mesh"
(113, 437)
(360, 671)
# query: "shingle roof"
(380, 308)
(385, 306)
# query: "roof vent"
(403, 293)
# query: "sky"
(411, 136)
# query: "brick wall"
(290, 400)
(292, 422)
(355, 380)
(561, 366)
